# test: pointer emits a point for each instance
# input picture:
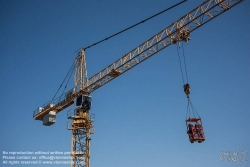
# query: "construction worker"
(190, 132)
(198, 129)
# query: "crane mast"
(81, 124)
(81, 120)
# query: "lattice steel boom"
(175, 32)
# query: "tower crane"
(79, 95)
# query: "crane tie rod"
(134, 25)
(68, 74)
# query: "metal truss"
(82, 128)
(176, 32)
(173, 33)
(80, 70)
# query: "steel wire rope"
(126, 29)
(188, 111)
(184, 58)
(190, 107)
(193, 108)
(71, 69)
(180, 64)
(66, 84)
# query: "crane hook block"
(186, 89)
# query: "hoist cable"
(180, 64)
(134, 25)
(71, 69)
(183, 54)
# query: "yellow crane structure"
(79, 95)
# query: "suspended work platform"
(195, 130)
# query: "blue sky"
(139, 116)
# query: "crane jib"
(202, 14)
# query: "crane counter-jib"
(176, 32)
(57, 105)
